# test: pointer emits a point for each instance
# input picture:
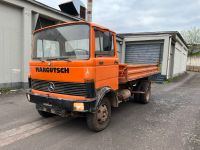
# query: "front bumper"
(59, 104)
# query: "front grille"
(67, 88)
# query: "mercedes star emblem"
(51, 87)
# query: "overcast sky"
(143, 15)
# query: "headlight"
(78, 107)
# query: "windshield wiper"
(57, 59)
(49, 59)
(65, 59)
(40, 59)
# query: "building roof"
(35, 2)
(173, 33)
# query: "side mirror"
(107, 41)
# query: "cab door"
(106, 60)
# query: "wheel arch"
(107, 92)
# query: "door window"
(104, 44)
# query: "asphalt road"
(171, 121)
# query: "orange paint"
(104, 71)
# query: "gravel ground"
(171, 121)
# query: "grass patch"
(196, 54)
(177, 78)
(172, 79)
(4, 90)
(167, 81)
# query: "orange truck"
(75, 71)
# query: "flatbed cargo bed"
(129, 72)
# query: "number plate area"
(53, 109)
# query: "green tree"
(192, 37)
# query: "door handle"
(116, 62)
(101, 63)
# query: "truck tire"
(100, 119)
(146, 88)
(45, 114)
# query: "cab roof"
(69, 23)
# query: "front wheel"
(100, 119)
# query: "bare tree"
(192, 37)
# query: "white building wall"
(27, 43)
(11, 37)
(119, 48)
(119, 51)
(177, 62)
(180, 58)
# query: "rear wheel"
(146, 88)
(99, 120)
(137, 95)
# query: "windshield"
(66, 42)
